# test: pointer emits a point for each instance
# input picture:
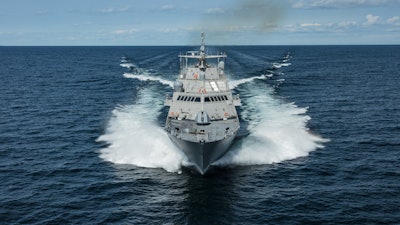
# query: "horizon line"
(198, 45)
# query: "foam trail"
(125, 62)
(135, 138)
(276, 65)
(141, 74)
(278, 132)
(146, 77)
(280, 65)
(235, 83)
(128, 65)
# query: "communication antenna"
(203, 44)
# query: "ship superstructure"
(202, 119)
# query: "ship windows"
(218, 98)
(188, 98)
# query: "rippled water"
(82, 140)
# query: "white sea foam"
(235, 83)
(286, 64)
(127, 65)
(145, 76)
(278, 132)
(279, 65)
(135, 138)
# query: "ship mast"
(202, 53)
(203, 44)
(202, 66)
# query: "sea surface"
(82, 139)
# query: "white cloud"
(168, 30)
(385, 24)
(215, 11)
(125, 31)
(308, 4)
(395, 20)
(114, 10)
(347, 24)
(239, 28)
(71, 38)
(42, 12)
(310, 25)
(339, 27)
(167, 7)
(371, 19)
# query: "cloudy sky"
(180, 22)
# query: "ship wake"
(148, 77)
(277, 130)
(134, 137)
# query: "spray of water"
(147, 76)
(235, 83)
(127, 64)
(135, 138)
(278, 130)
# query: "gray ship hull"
(202, 119)
(203, 154)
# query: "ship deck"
(191, 131)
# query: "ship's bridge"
(204, 80)
(204, 87)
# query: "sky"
(180, 22)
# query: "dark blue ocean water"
(81, 138)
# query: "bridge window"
(217, 98)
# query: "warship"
(202, 120)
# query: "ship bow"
(203, 154)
